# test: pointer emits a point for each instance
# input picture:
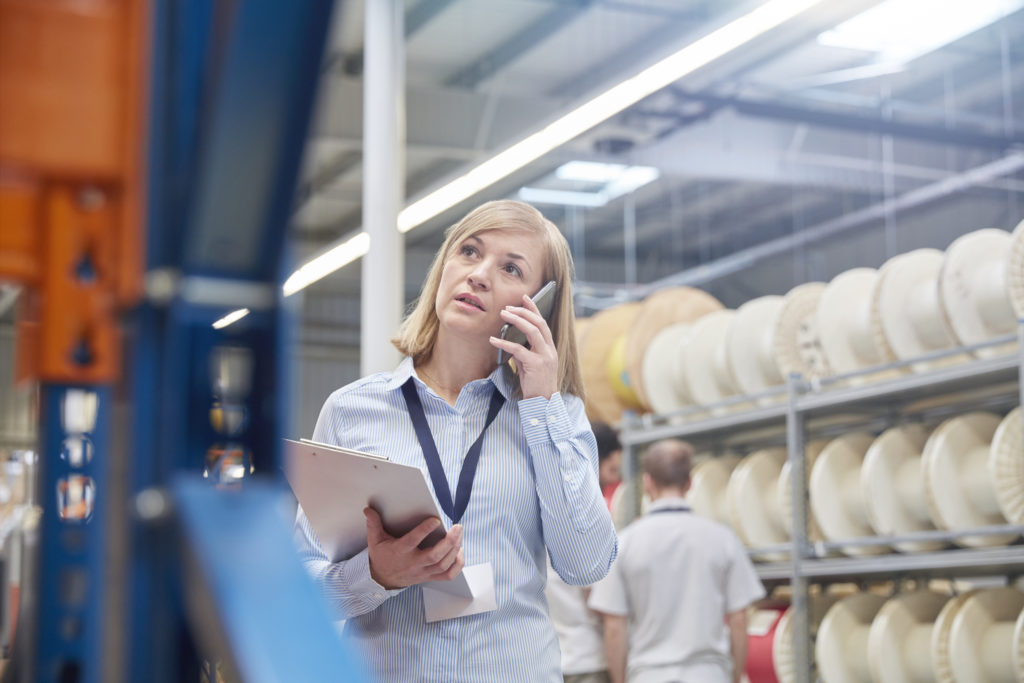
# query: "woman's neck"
(451, 366)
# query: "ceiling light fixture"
(584, 117)
(615, 180)
(327, 262)
(232, 317)
(899, 31)
(697, 54)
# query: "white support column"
(383, 278)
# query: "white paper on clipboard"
(333, 485)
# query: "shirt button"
(567, 478)
(534, 422)
(378, 595)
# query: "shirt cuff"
(358, 581)
(544, 419)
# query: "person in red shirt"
(609, 454)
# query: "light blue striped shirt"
(535, 493)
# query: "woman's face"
(488, 271)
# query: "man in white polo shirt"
(674, 602)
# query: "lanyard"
(426, 439)
(676, 509)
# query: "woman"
(535, 489)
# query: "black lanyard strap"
(426, 439)
(675, 509)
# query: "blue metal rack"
(210, 569)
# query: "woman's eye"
(468, 250)
(512, 269)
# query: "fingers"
(420, 531)
(375, 533)
(446, 561)
(531, 324)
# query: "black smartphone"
(545, 302)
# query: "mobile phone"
(545, 302)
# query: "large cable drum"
(895, 497)
(981, 637)
(841, 648)
(709, 481)
(958, 483)
(844, 317)
(748, 342)
(601, 334)
(659, 310)
(908, 314)
(974, 288)
(1015, 271)
(705, 362)
(1006, 466)
(665, 384)
(753, 501)
(900, 637)
(796, 340)
(785, 491)
(837, 494)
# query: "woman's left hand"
(537, 365)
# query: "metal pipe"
(383, 273)
(747, 258)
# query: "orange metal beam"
(72, 75)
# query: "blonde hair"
(418, 333)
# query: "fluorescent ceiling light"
(328, 262)
(697, 54)
(563, 197)
(590, 171)
(232, 317)
(630, 91)
(615, 180)
(899, 31)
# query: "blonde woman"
(507, 450)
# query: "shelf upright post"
(802, 654)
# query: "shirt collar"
(668, 503)
(499, 378)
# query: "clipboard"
(335, 484)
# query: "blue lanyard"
(677, 509)
(426, 439)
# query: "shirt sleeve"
(609, 594)
(577, 527)
(742, 585)
(347, 584)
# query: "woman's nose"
(480, 276)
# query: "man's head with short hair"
(609, 454)
(667, 466)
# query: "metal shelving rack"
(830, 407)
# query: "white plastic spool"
(895, 497)
(1018, 647)
(704, 359)
(957, 480)
(709, 480)
(837, 494)
(785, 492)
(1006, 467)
(665, 384)
(749, 346)
(981, 639)
(1015, 271)
(975, 292)
(796, 343)
(842, 644)
(900, 637)
(940, 645)
(908, 313)
(753, 501)
(782, 645)
(848, 339)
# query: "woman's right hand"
(397, 562)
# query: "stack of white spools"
(679, 349)
(963, 474)
(924, 635)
